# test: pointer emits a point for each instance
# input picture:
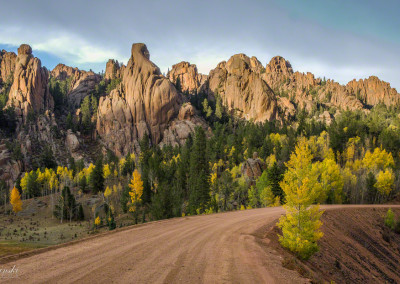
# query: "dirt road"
(218, 248)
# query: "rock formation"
(7, 65)
(189, 79)
(29, 91)
(82, 82)
(113, 70)
(304, 90)
(144, 103)
(373, 91)
(242, 89)
(253, 168)
(183, 126)
(9, 168)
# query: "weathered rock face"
(183, 126)
(373, 91)
(71, 141)
(29, 91)
(113, 70)
(9, 168)
(145, 102)
(253, 168)
(242, 89)
(305, 90)
(189, 79)
(7, 65)
(82, 82)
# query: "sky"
(341, 40)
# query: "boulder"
(71, 141)
(253, 168)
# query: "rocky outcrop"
(71, 141)
(253, 168)
(7, 65)
(242, 89)
(373, 91)
(82, 82)
(113, 70)
(304, 90)
(183, 126)
(9, 168)
(29, 91)
(144, 103)
(186, 77)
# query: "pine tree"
(199, 187)
(15, 200)
(97, 177)
(300, 226)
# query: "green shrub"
(389, 219)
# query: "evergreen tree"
(97, 177)
(199, 186)
(81, 214)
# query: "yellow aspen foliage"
(331, 181)
(136, 192)
(235, 171)
(115, 173)
(270, 160)
(242, 207)
(384, 182)
(24, 182)
(107, 192)
(15, 200)
(378, 160)
(232, 151)
(268, 199)
(97, 221)
(301, 224)
(213, 178)
(106, 171)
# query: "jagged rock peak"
(279, 65)
(29, 91)
(373, 91)
(25, 49)
(113, 70)
(145, 102)
(7, 65)
(190, 79)
(242, 89)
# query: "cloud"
(66, 46)
(204, 33)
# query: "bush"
(389, 219)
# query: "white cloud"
(67, 46)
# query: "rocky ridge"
(82, 82)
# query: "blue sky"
(336, 39)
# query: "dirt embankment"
(356, 248)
